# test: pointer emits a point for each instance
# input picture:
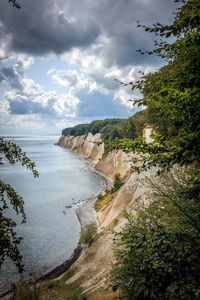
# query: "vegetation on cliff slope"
(88, 234)
(158, 250)
(109, 195)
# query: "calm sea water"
(51, 232)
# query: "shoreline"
(86, 214)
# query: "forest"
(112, 128)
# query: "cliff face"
(85, 145)
(132, 194)
(98, 257)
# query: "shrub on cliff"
(88, 234)
(118, 182)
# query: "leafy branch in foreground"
(157, 153)
(14, 154)
(157, 252)
(171, 94)
(9, 240)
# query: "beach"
(85, 212)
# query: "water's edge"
(82, 215)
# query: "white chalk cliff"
(98, 257)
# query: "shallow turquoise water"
(51, 231)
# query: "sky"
(60, 60)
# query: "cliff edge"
(91, 270)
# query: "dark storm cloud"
(11, 77)
(118, 22)
(40, 27)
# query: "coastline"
(86, 214)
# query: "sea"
(51, 231)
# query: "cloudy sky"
(59, 60)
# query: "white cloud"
(66, 105)
(24, 62)
(103, 78)
(51, 71)
(68, 78)
(4, 108)
(23, 121)
(32, 107)
(30, 87)
(42, 103)
(34, 121)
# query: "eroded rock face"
(97, 259)
(86, 145)
(133, 193)
(147, 133)
(115, 162)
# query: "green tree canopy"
(172, 94)
(158, 249)
(111, 128)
